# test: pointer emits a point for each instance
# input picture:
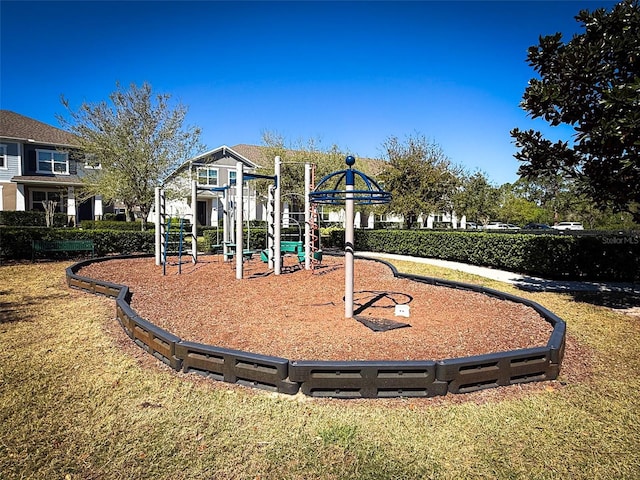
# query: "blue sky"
(346, 73)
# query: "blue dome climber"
(332, 189)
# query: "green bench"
(292, 247)
(246, 254)
(288, 246)
(64, 246)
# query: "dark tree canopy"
(592, 83)
(420, 177)
(477, 199)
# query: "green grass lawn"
(77, 404)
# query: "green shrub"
(15, 243)
(605, 256)
(114, 225)
(122, 242)
(30, 219)
(257, 239)
(611, 257)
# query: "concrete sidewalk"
(524, 282)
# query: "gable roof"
(255, 153)
(259, 155)
(223, 152)
(18, 127)
(213, 156)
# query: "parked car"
(537, 226)
(472, 226)
(500, 226)
(568, 226)
(495, 226)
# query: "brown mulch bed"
(299, 315)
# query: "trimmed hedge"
(15, 243)
(114, 225)
(610, 257)
(12, 218)
(602, 257)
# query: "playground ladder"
(313, 224)
(167, 242)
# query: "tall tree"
(513, 207)
(592, 83)
(555, 194)
(420, 177)
(137, 138)
(294, 155)
(477, 198)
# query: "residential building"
(41, 163)
(215, 174)
(216, 168)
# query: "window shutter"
(31, 161)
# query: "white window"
(208, 176)
(3, 156)
(232, 177)
(52, 161)
(39, 196)
(91, 162)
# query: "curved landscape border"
(339, 379)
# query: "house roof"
(259, 155)
(66, 180)
(212, 156)
(18, 127)
(222, 152)
(255, 153)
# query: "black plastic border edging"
(339, 379)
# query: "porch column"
(430, 219)
(71, 206)
(98, 210)
(20, 198)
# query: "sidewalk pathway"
(524, 282)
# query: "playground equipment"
(173, 239)
(370, 193)
(221, 245)
(296, 247)
(232, 243)
(168, 239)
(274, 199)
(275, 245)
(313, 249)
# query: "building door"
(85, 211)
(202, 212)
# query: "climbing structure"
(173, 243)
(171, 240)
(339, 188)
(314, 226)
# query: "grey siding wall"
(13, 161)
